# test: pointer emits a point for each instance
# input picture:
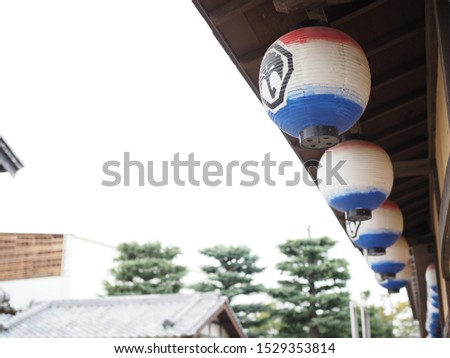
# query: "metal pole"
(368, 331)
(354, 320)
(365, 318)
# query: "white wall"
(85, 265)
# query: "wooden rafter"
(231, 9)
(411, 168)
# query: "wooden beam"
(355, 14)
(444, 225)
(414, 204)
(431, 50)
(416, 231)
(394, 38)
(412, 149)
(253, 58)
(436, 187)
(442, 15)
(393, 107)
(402, 130)
(413, 194)
(290, 6)
(231, 9)
(425, 239)
(223, 42)
(411, 168)
(446, 330)
(316, 13)
(431, 47)
(403, 74)
(408, 185)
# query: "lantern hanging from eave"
(433, 297)
(355, 177)
(380, 232)
(433, 314)
(393, 285)
(393, 261)
(314, 83)
(431, 278)
(433, 321)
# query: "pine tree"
(233, 276)
(313, 298)
(145, 269)
(381, 324)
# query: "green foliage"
(313, 299)
(256, 318)
(404, 324)
(233, 273)
(233, 276)
(145, 269)
(381, 324)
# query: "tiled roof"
(174, 315)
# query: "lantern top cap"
(431, 267)
(311, 23)
(351, 136)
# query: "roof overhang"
(9, 162)
(400, 41)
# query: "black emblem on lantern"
(353, 228)
(276, 60)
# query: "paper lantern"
(393, 261)
(433, 297)
(315, 84)
(393, 285)
(380, 232)
(432, 311)
(431, 278)
(434, 301)
(433, 321)
(355, 177)
(433, 325)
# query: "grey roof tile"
(125, 316)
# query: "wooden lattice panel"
(30, 255)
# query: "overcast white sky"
(81, 82)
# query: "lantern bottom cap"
(376, 251)
(393, 290)
(319, 137)
(358, 215)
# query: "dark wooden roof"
(9, 162)
(399, 40)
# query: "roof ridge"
(194, 299)
(21, 316)
(115, 316)
(112, 299)
(220, 300)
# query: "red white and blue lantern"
(433, 297)
(380, 232)
(393, 261)
(431, 278)
(433, 324)
(401, 279)
(314, 83)
(433, 321)
(355, 177)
